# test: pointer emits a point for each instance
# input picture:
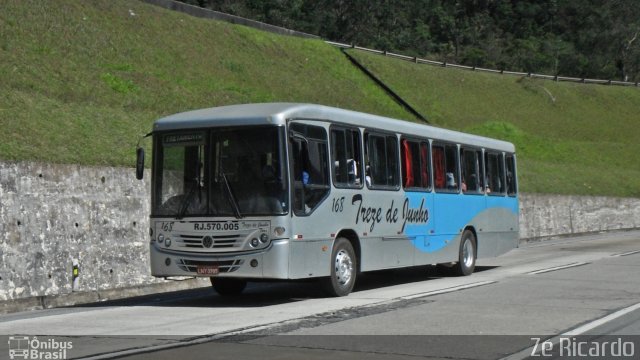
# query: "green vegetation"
(81, 81)
(571, 138)
(598, 39)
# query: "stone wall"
(544, 216)
(54, 215)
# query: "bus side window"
(445, 165)
(438, 167)
(310, 167)
(512, 188)
(346, 157)
(471, 170)
(495, 174)
(382, 157)
(425, 168)
(415, 165)
(407, 164)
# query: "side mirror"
(139, 163)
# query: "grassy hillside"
(571, 138)
(81, 80)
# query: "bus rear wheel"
(228, 286)
(466, 254)
(343, 269)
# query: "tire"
(466, 254)
(343, 269)
(228, 286)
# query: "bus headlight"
(264, 238)
(255, 242)
(160, 238)
(168, 242)
(278, 231)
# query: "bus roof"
(279, 113)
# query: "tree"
(583, 38)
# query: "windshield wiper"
(232, 199)
(185, 203)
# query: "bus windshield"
(220, 172)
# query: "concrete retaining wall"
(53, 215)
(544, 216)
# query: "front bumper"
(272, 262)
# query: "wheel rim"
(467, 253)
(343, 267)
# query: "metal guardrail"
(474, 68)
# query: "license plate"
(207, 270)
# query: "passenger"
(305, 177)
(451, 182)
(367, 177)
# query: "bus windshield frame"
(220, 172)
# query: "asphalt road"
(547, 294)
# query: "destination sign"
(184, 139)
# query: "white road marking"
(626, 253)
(447, 290)
(529, 352)
(542, 271)
(594, 324)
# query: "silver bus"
(297, 191)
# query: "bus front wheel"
(343, 269)
(466, 254)
(228, 286)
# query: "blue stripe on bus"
(453, 212)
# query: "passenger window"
(472, 179)
(310, 167)
(445, 167)
(495, 174)
(346, 156)
(382, 161)
(512, 187)
(415, 164)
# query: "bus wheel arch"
(355, 243)
(467, 252)
(344, 265)
(475, 236)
